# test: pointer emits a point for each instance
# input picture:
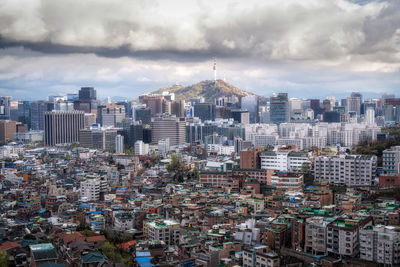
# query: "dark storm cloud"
(307, 30)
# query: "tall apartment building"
(343, 235)
(315, 235)
(141, 148)
(250, 159)
(172, 128)
(279, 108)
(380, 244)
(391, 160)
(62, 127)
(98, 138)
(284, 161)
(112, 115)
(91, 188)
(349, 170)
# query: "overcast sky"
(308, 48)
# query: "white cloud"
(262, 46)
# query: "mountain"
(207, 89)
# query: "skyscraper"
(87, 94)
(315, 105)
(7, 130)
(172, 128)
(38, 108)
(240, 115)
(251, 103)
(62, 127)
(98, 138)
(155, 103)
(370, 116)
(143, 114)
(24, 113)
(353, 103)
(112, 115)
(119, 144)
(279, 108)
(5, 107)
(178, 108)
(205, 111)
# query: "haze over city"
(128, 48)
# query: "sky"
(308, 48)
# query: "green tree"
(82, 227)
(111, 252)
(29, 237)
(4, 262)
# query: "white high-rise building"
(380, 244)
(283, 161)
(119, 144)
(369, 116)
(332, 101)
(349, 170)
(141, 148)
(90, 190)
(163, 146)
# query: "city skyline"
(311, 49)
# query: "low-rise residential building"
(260, 256)
(287, 181)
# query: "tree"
(82, 227)
(111, 252)
(4, 262)
(307, 175)
(29, 237)
(129, 150)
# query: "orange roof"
(127, 245)
(9, 245)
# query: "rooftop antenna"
(215, 70)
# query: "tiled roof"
(9, 245)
